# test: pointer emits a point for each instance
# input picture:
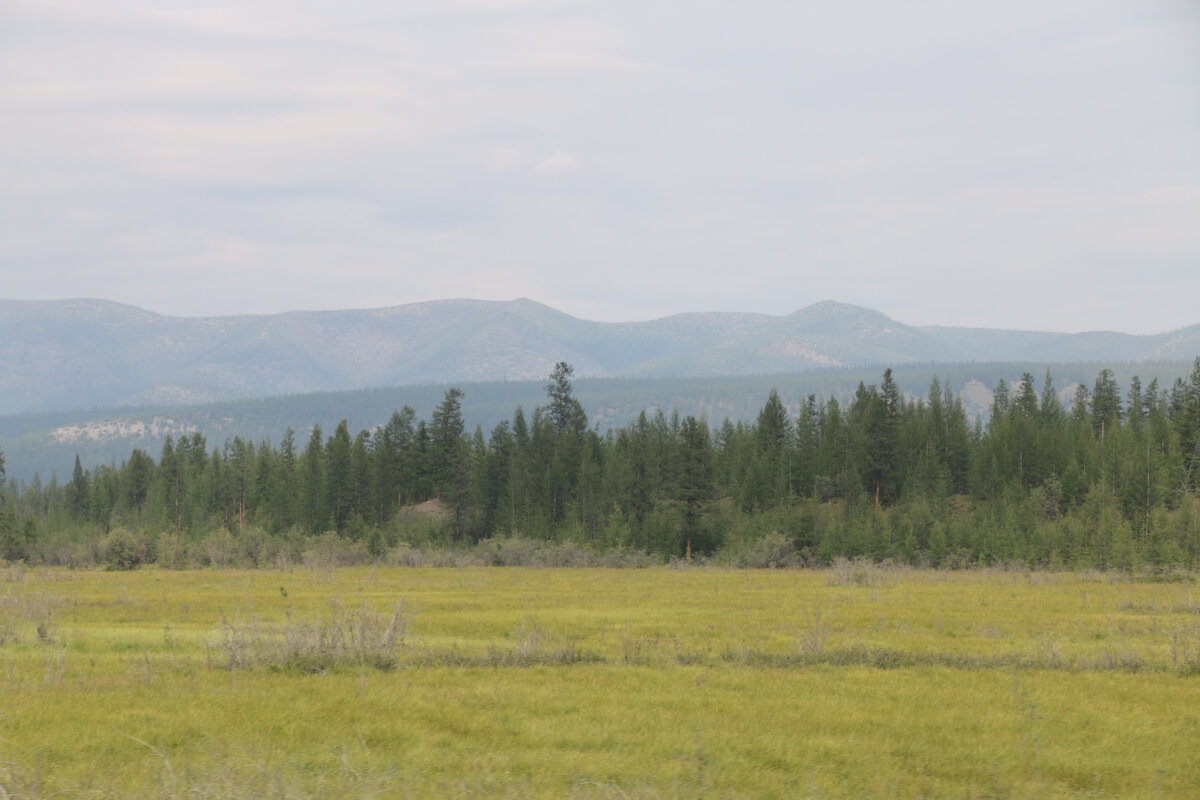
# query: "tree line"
(1109, 479)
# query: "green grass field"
(850, 682)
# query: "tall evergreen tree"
(313, 502)
(567, 423)
(1081, 407)
(695, 476)
(395, 463)
(1187, 422)
(562, 407)
(1106, 403)
(804, 448)
(137, 476)
(770, 477)
(239, 462)
(283, 501)
(449, 452)
(1027, 400)
(1051, 406)
(171, 476)
(499, 496)
(1001, 399)
(339, 477)
(77, 493)
(12, 546)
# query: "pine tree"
(889, 435)
(283, 497)
(395, 463)
(804, 448)
(1081, 407)
(264, 487)
(1188, 427)
(360, 477)
(568, 424)
(239, 460)
(770, 478)
(1135, 411)
(499, 496)
(77, 492)
(1027, 401)
(12, 544)
(563, 409)
(449, 452)
(1000, 399)
(170, 469)
(1051, 406)
(339, 477)
(931, 474)
(311, 469)
(695, 476)
(137, 475)
(1106, 403)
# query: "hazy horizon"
(933, 324)
(1023, 167)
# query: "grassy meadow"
(854, 681)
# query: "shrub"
(330, 551)
(121, 550)
(404, 555)
(171, 551)
(255, 547)
(861, 572)
(346, 638)
(772, 551)
(220, 547)
(509, 551)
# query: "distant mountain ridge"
(88, 353)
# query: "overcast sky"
(1018, 164)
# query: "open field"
(850, 682)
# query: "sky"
(1025, 164)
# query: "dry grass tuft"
(37, 608)
(347, 638)
(861, 571)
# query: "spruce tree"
(449, 452)
(1106, 403)
(695, 477)
(311, 495)
(77, 493)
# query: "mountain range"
(69, 354)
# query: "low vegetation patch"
(858, 680)
(343, 637)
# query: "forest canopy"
(1108, 480)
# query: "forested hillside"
(44, 446)
(74, 354)
(1108, 480)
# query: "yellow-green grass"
(605, 683)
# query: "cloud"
(742, 158)
(557, 163)
(502, 159)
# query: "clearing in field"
(855, 681)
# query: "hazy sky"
(1029, 164)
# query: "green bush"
(121, 550)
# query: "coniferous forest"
(1108, 480)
